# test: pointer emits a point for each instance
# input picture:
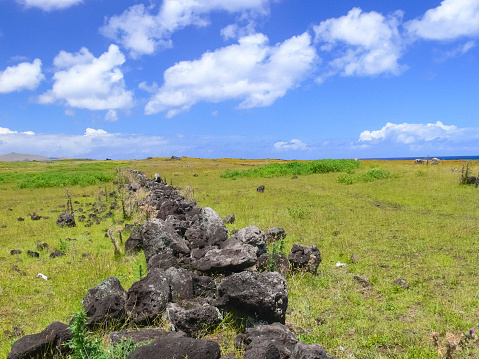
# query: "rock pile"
(195, 275)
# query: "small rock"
(20, 219)
(33, 254)
(15, 251)
(260, 189)
(365, 283)
(57, 253)
(401, 283)
(35, 217)
(229, 219)
(354, 258)
(275, 234)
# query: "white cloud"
(142, 29)
(111, 116)
(251, 71)
(49, 5)
(95, 133)
(294, 144)
(83, 81)
(410, 133)
(7, 131)
(365, 43)
(69, 112)
(22, 76)
(450, 20)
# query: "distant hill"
(15, 157)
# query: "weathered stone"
(304, 258)
(134, 243)
(229, 219)
(35, 217)
(33, 254)
(178, 348)
(209, 230)
(263, 350)
(235, 258)
(105, 303)
(148, 297)
(15, 251)
(56, 254)
(253, 236)
(66, 220)
(255, 340)
(42, 345)
(401, 283)
(275, 234)
(260, 189)
(160, 237)
(262, 296)
(143, 335)
(312, 351)
(193, 318)
(181, 284)
(280, 265)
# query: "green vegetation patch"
(58, 179)
(370, 176)
(294, 168)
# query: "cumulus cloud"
(294, 145)
(22, 76)
(450, 20)
(84, 81)
(142, 29)
(250, 71)
(7, 131)
(410, 133)
(49, 5)
(362, 43)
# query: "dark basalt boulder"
(231, 259)
(304, 258)
(143, 335)
(106, 303)
(312, 351)
(193, 317)
(275, 234)
(45, 344)
(178, 348)
(160, 237)
(66, 220)
(168, 260)
(134, 243)
(280, 264)
(276, 334)
(181, 284)
(208, 230)
(262, 296)
(148, 297)
(254, 236)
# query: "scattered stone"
(113, 205)
(336, 233)
(174, 348)
(134, 243)
(354, 258)
(4, 226)
(35, 217)
(15, 251)
(17, 269)
(294, 177)
(195, 175)
(33, 254)
(275, 234)
(260, 189)
(20, 219)
(262, 295)
(365, 283)
(304, 258)
(401, 283)
(66, 220)
(81, 218)
(281, 264)
(48, 342)
(57, 253)
(229, 219)
(311, 351)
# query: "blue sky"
(288, 79)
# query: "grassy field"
(399, 220)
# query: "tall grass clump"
(370, 176)
(58, 179)
(294, 168)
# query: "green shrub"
(294, 168)
(370, 176)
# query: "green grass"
(293, 168)
(418, 224)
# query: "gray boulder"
(234, 258)
(143, 335)
(106, 303)
(253, 236)
(181, 284)
(263, 296)
(208, 230)
(134, 243)
(160, 237)
(45, 344)
(147, 298)
(178, 348)
(304, 258)
(193, 317)
(312, 351)
(275, 234)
